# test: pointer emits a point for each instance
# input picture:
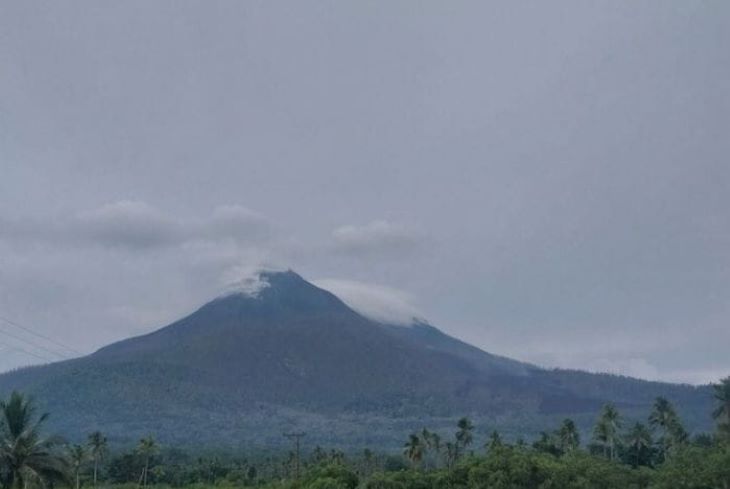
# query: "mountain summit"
(285, 354)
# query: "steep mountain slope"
(244, 367)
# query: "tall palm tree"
(568, 436)
(464, 435)
(413, 449)
(426, 440)
(434, 443)
(26, 456)
(722, 396)
(677, 433)
(601, 435)
(638, 439)
(147, 447)
(664, 418)
(608, 428)
(77, 455)
(97, 443)
(451, 452)
(494, 442)
(662, 413)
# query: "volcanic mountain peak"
(287, 289)
(254, 284)
(249, 286)
(294, 351)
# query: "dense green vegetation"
(658, 454)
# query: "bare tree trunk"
(143, 477)
(146, 468)
(96, 468)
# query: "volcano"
(288, 355)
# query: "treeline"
(656, 454)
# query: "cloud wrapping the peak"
(248, 278)
(380, 303)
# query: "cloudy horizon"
(546, 182)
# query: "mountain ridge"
(302, 356)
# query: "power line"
(34, 345)
(39, 335)
(22, 350)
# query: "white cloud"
(137, 225)
(377, 302)
(237, 222)
(121, 269)
(575, 193)
(246, 278)
(377, 237)
(130, 224)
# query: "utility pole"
(296, 437)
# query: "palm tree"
(426, 439)
(77, 455)
(26, 456)
(494, 442)
(601, 435)
(451, 454)
(434, 442)
(722, 395)
(638, 439)
(568, 436)
(677, 433)
(607, 428)
(413, 449)
(664, 418)
(97, 443)
(662, 413)
(147, 448)
(464, 436)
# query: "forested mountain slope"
(245, 367)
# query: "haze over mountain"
(547, 179)
(286, 354)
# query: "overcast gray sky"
(546, 180)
